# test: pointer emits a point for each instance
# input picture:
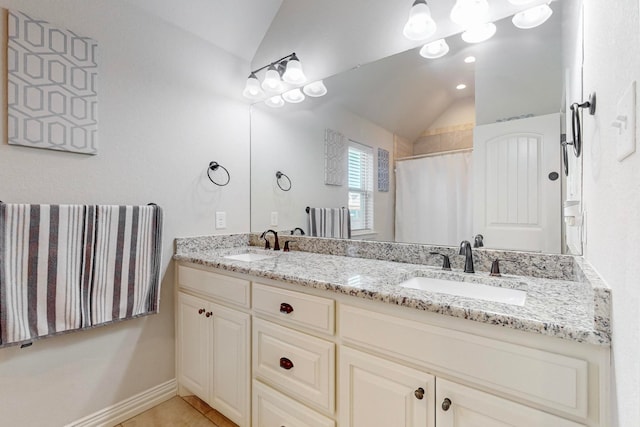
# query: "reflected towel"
(329, 222)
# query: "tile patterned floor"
(187, 411)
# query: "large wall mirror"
(446, 162)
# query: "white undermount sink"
(468, 290)
(248, 257)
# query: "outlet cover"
(274, 219)
(221, 220)
(625, 123)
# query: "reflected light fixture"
(468, 13)
(252, 90)
(436, 49)
(420, 24)
(275, 101)
(293, 96)
(470, 59)
(293, 73)
(461, 86)
(315, 89)
(532, 17)
(479, 33)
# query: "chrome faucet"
(276, 244)
(465, 249)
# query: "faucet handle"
(446, 263)
(286, 246)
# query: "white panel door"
(193, 345)
(460, 406)
(516, 203)
(378, 393)
(230, 390)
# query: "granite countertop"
(559, 308)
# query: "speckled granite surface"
(512, 262)
(573, 310)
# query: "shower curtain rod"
(440, 153)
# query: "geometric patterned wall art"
(383, 170)
(335, 150)
(52, 82)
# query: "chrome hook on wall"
(214, 166)
(280, 175)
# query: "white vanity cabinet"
(213, 343)
(322, 359)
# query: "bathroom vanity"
(309, 339)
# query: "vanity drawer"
(274, 409)
(295, 363)
(295, 308)
(549, 379)
(223, 288)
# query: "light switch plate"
(274, 219)
(221, 220)
(625, 123)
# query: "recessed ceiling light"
(461, 86)
(470, 59)
(436, 49)
(479, 33)
(533, 17)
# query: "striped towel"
(126, 270)
(330, 222)
(49, 256)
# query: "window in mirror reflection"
(360, 186)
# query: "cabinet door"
(193, 344)
(460, 406)
(230, 348)
(379, 393)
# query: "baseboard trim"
(130, 407)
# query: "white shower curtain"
(434, 200)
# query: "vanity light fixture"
(470, 59)
(468, 13)
(532, 17)
(252, 90)
(315, 89)
(293, 72)
(479, 33)
(287, 68)
(275, 101)
(461, 86)
(293, 96)
(420, 25)
(436, 49)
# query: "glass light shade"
(272, 82)
(293, 74)
(479, 33)
(532, 17)
(435, 49)
(275, 101)
(468, 13)
(293, 96)
(420, 24)
(315, 89)
(520, 2)
(252, 89)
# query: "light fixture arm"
(274, 63)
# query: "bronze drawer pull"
(286, 363)
(286, 308)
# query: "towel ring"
(280, 175)
(214, 166)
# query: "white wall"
(291, 139)
(460, 112)
(612, 190)
(160, 122)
